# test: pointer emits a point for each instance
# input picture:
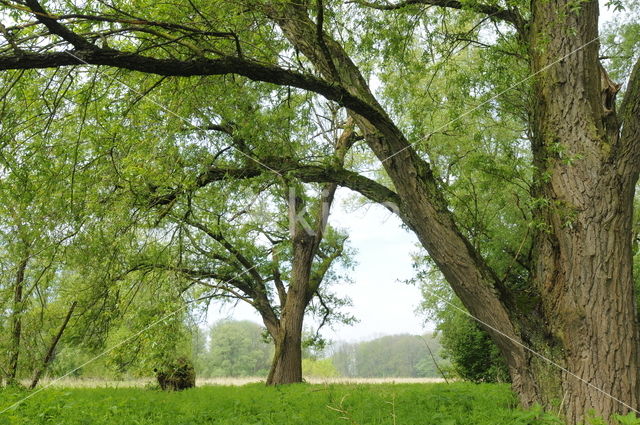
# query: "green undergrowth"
(389, 404)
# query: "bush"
(474, 356)
(319, 368)
(177, 375)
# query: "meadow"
(309, 404)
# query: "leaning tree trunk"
(587, 174)
(423, 207)
(48, 358)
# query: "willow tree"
(205, 233)
(251, 239)
(42, 190)
(584, 152)
(276, 254)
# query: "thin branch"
(219, 237)
(225, 288)
(10, 39)
(52, 347)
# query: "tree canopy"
(494, 130)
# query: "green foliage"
(82, 160)
(459, 403)
(628, 419)
(472, 353)
(236, 348)
(620, 40)
(323, 368)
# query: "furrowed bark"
(587, 173)
(286, 367)
(287, 361)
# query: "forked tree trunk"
(287, 360)
(306, 238)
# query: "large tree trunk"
(286, 367)
(287, 360)
(587, 168)
(586, 172)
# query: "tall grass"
(304, 404)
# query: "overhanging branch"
(511, 16)
(370, 189)
(202, 67)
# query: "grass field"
(127, 383)
(303, 404)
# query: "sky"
(382, 303)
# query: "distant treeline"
(239, 348)
(390, 356)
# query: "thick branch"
(630, 117)
(510, 16)
(56, 28)
(205, 67)
(321, 42)
(307, 173)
